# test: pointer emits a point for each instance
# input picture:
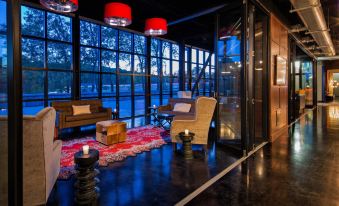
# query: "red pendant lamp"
(156, 26)
(63, 6)
(118, 14)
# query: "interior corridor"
(302, 169)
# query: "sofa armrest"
(60, 119)
(107, 110)
(164, 108)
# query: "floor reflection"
(302, 169)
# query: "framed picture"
(280, 68)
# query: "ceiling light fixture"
(156, 26)
(118, 14)
(63, 6)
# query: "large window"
(46, 58)
(3, 59)
(164, 71)
(113, 68)
(195, 59)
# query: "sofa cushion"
(80, 117)
(83, 109)
(182, 107)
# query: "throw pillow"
(83, 109)
(182, 107)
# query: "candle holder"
(86, 190)
(187, 144)
(115, 115)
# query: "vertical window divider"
(148, 78)
(100, 65)
(117, 73)
(76, 57)
(45, 64)
(161, 73)
(132, 80)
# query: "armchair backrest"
(205, 107)
(66, 106)
(173, 101)
(38, 134)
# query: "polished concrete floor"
(157, 177)
(302, 169)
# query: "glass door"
(256, 75)
(230, 77)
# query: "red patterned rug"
(138, 140)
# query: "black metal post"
(182, 67)
(14, 78)
(148, 79)
(76, 57)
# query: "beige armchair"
(41, 157)
(198, 124)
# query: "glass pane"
(139, 85)
(175, 86)
(32, 22)
(139, 64)
(59, 27)
(166, 47)
(139, 121)
(155, 100)
(194, 55)
(89, 33)
(155, 85)
(32, 108)
(89, 59)
(201, 57)
(125, 88)
(108, 38)
(3, 69)
(3, 23)
(166, 85)
(175, 51)
(33, 84)
(125, 63)
(89, 85)
(139, 104)
(165, 99)
(59, 84)
(155, 47)
(166, 68)
(125, 41)
(139, 44)
(33, 53)
(155, 66)
(175, 68)
(108, 84)
(187, 56)
(125, 107)
(109, 103)
(59, 56)
(108, 61)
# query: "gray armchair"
(41, 157)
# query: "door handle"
(252, 100)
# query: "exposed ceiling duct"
(311, 14)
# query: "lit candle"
(154, 106)
(85, 149)
(187, 131)
(115, 110)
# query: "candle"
(115, 110)
(154, 106)
(85, 149)
(187, 131)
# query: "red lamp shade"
(118, 14)
(156, 26)
(64, 6)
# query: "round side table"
(187, 144)
(87, 191)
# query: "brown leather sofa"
(66, 119)
(168, 109)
